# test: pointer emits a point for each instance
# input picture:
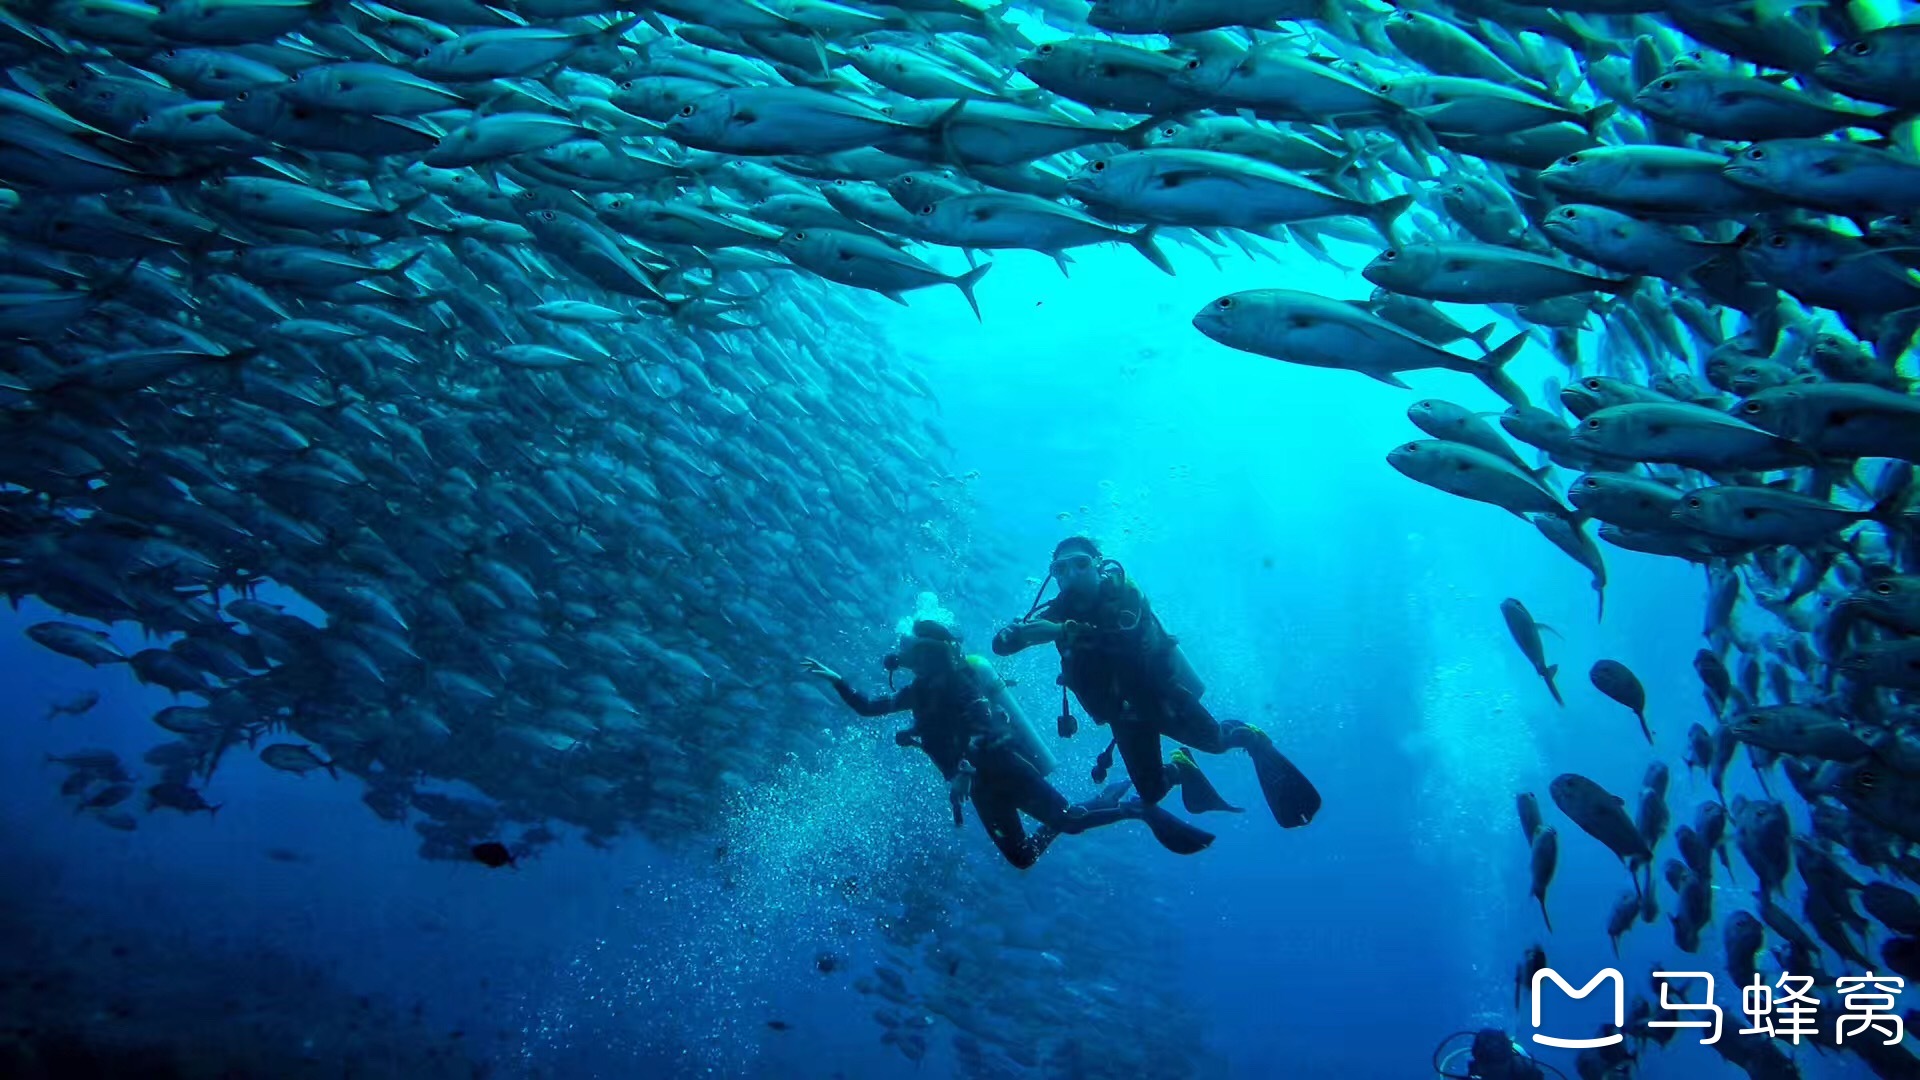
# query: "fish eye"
(1568, 212)
(241, 96)
(1592, 483)
(906, 181)
(1777, 240)
(1865, 780)
(1046, 50)
(1751, 408)
(1885, 588)
(1593, 425)
(1570, 159)
(1193, 65)
(801, 235)
(1694, 502)
(1860, 48)
(146, 118)
(1665, 84)
(546, 215)
(1169, 131)
(1754, 153)
(687, 109)
(434, 140)
(1225, 303)
(927, 210)
(628, 85)
(1099, 166)
(1592, 384)
(1389, 255)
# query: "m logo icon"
(1619, 1008)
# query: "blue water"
(1351, 612)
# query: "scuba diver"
(1130, 675)
(1490, 1056)
(974, 732)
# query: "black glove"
(1007, 640)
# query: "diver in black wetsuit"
(1490, 1055)
(1128, 674)
(969, 727)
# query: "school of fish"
(514, 339)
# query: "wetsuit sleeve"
(899, 701)
(1004, 643)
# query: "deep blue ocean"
(1350, 612)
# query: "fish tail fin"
(400, 268)
(408, 205)
(617, 29)
(1334, 15)
(214, 810)
(1142, 241)
(1483, 335)
(1895, 332)
(941, 131)
(1385, 212)
(1544, 917)
(1892, 510)
(1601, 591)
(1135, 137)
(1492, 371)
(1552, 689)
(1644, 729)
(965, 283)
(1593, 119)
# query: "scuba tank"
(1025, 738)
(1183, 674)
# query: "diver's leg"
(1139, 745)
(1183, 719)
(1107, 808)
(1289, 794)
(1044, 803)
(1001, 816)
(1186, 721)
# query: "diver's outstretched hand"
(819, 670)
